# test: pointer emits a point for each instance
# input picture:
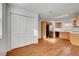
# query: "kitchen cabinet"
(74, 39)
(43, 29)
(76, 21)
(65, 35)
(58, 25)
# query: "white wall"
(0, 20)
(39, 26)
(3, 41)
(64, 22)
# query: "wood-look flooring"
(58, 47)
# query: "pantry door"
(22, 28)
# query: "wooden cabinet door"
(74, 39)
(77, 21)
(58, 24)
(43, 29)
(65, 35)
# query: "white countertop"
(75, 32)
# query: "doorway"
(49, 30)
(57, 34)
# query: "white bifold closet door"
(22, 31)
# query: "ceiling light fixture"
(50, 11)
(62, 16)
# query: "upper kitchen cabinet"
(76, 21)
(58, 24)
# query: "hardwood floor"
(57, 47)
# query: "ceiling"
(51, 10)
